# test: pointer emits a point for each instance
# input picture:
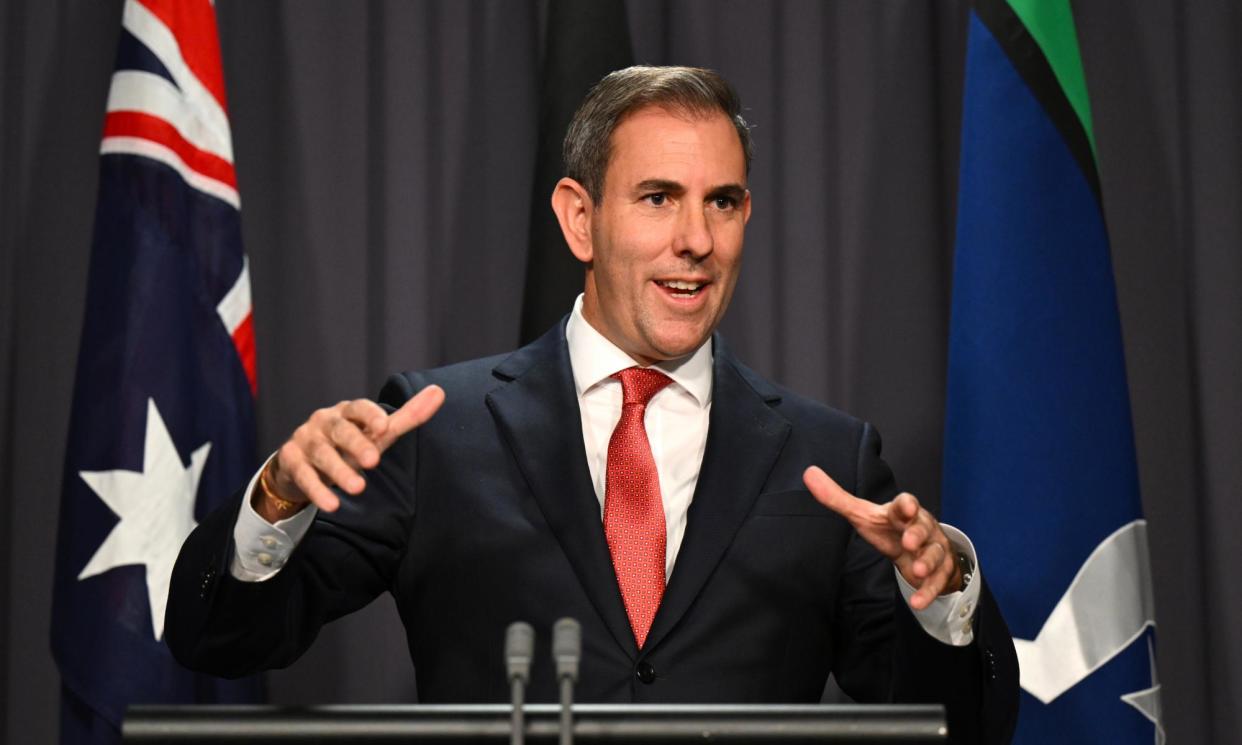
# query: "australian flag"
(162, 426)
(1040, 465)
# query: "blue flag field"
(1039, 464)
(162, 427)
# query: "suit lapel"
(537, 411)
(744, 438)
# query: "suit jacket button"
(207, 577)
(990, 657)
(645, 672)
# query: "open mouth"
(680, 288)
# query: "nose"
(694, 238)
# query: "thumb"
(413, 413)
(830, 494)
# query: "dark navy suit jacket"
(487, 515)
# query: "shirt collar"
(594, 359)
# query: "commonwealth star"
(156, 511)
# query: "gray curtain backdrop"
(385, 152)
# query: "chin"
(681, 346)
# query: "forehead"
(658, 143)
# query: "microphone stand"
(519, 649)
(567, 651)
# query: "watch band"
(965, 567)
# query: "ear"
(573, 207)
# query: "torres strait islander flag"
(1040, 465)
(162, 426)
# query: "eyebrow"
(734, 191)
(659, 184)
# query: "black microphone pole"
(519, 649)
(567, 651)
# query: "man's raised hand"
(334, 445)
(902, 530)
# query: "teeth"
(679, 285)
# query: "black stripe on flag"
(1024, 52)
(584, 42)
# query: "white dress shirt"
(676, 420)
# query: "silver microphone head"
(519, 650)
(567, 647)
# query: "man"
(728, 565)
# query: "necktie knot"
(639, 384)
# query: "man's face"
(666, 239)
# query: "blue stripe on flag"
(132, 54)
(1039, 464)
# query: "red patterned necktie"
(633, 507)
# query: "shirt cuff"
(950, 618)
(261, 548)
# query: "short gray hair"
(694, 90)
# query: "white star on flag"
(156, 511)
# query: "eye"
(657, 199)
(724, 203)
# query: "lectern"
(593, 723)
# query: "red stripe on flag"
(243, 341)
(194, 25)
(138, 124)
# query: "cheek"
(624, 254)
(625, 274)
(728, 236)
(729, 256)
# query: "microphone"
(567, 651)
(519, 649)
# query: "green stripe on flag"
(1051, 23)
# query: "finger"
(915, 537)
(831, 495)
(354, 445)
(934, 585)
(368, 415)
(325, 458)
(281, 482)
(903, 510)
(413, 413)
(927, 560)
(307, 479)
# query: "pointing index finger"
(903, 511)
(368, 415)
